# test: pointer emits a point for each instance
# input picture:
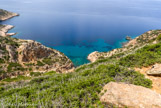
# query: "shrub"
(48, 61)
(159, 37)
(18, 78)
(39, 63)
(14, 67)
(35, 73)
(2, 61)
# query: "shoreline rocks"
(127, 95)
(128, 38)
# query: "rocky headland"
(4, 15)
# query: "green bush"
(49, 73)
(39, 63)
(48, 61)
(2, 61)
(14, 67)
(18, 78)
(35, 73)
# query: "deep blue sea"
(79, 27)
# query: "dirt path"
(156, 86)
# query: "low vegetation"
(77, 89)
(145, 56)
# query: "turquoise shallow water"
(78, 53)
(79, 27)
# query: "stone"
(155, 70)
(128, 38)
(127, 95)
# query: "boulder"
(127, 95)
(155, 70)
(128, 38)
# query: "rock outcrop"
(4, 15)
(128, 38)
(48, 59)
(155, 70)
(127, 95)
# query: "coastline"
(95, 55)
(4, 28)
(132, 45)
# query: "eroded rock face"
(52, 60)
(32, 51)
(155, 70)
(131, 96)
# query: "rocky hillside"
(20, 57)
(4, 15)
